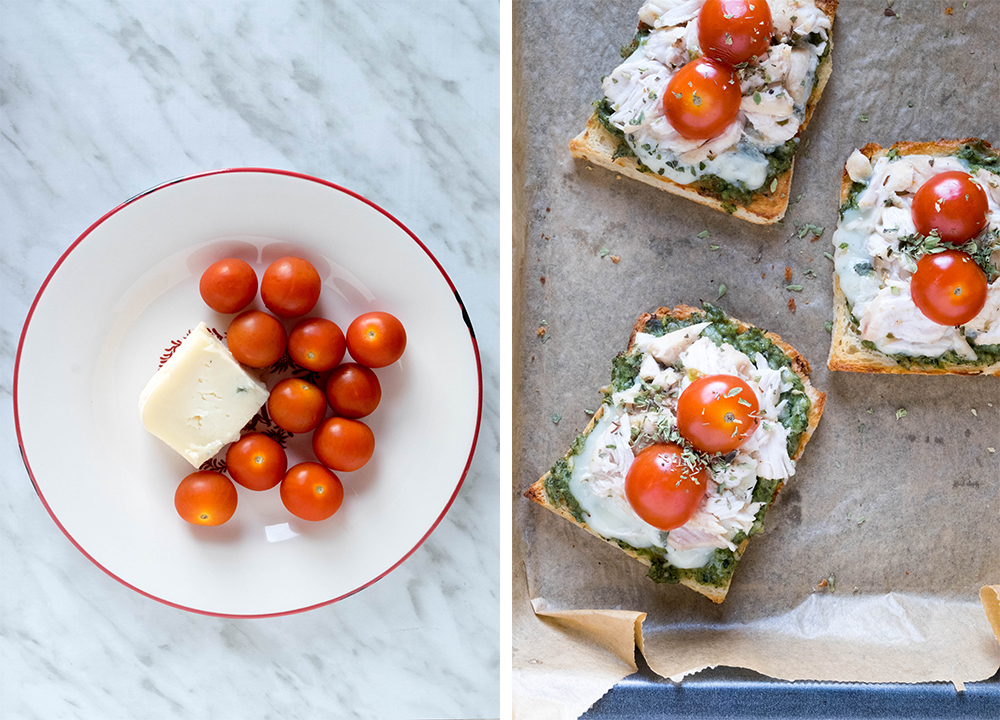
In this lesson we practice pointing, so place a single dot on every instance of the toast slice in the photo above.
(767, 206)
(540, 492)
(847, 353)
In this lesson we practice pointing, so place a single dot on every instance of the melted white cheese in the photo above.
(875, 277)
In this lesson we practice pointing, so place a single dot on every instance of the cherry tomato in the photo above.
(343, 444)
(951, 203)
(206, 498)
(317, 344)
(353, 390)
(662, 489)
(717, 413)
(311, 492)
(290, 287)
(228, 286)
(702, 99)
(256, 339)
(948, 287)
(256, 461)
(376, 339)
(735, 31)
(296, 405)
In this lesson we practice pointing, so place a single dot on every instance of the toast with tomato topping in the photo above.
(856, 335)
(584, 485)
(773, 114)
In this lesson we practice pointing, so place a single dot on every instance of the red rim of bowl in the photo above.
(301, 176)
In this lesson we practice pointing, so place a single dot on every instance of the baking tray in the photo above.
(735, 694)
(552, 95)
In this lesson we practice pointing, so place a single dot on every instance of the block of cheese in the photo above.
(201, 398)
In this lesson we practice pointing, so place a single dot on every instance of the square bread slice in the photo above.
(540, 492)
(595, 144)
(847, 351)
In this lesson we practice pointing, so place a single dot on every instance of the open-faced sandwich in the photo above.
(916, 287)
(711, 100)
(700, 427)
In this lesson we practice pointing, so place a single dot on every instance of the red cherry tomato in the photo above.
(290, 287)
(343, 444)
(256, 461)
(951, 203)
(702, 99)
(206, 498)
(228, 286)
(317, 344)
(662, 489)
(948, 287)
(296, 405)
(311, 492)
(376, 339)
(256, 339)
(735, 31)
(717, 413)
(353, 390)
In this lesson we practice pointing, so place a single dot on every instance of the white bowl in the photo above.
(128, 286)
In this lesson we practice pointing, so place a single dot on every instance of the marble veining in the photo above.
(101, 99)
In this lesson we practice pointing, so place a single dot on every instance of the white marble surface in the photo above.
(397, 100)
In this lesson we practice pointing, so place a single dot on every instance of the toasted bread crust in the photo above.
(537, 493)
(846, 352)
(595, 144)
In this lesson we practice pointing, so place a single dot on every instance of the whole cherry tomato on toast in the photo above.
(948, 287)
(953, 204)
(662, 489)
(735, 31)
(717, 413)
(702, 99)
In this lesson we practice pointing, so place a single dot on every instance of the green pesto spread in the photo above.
(624, 369)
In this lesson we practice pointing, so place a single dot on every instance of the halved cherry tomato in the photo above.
(317, 344)
(343, 444)
(353, 391)
(717, 413)
(290, 287)
(951, 203)
(376, 339)
(311, 492)
(256, 339)
(702, 99)
(948, 287)
(662, 489)
(206, 498)
(296, 405)
(256, 461)
(228, 286)
(735, 31)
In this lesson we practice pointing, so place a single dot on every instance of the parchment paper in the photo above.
(900, 510)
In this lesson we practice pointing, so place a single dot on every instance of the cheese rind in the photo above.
(201, 398)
